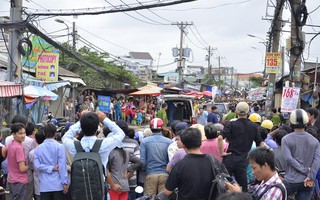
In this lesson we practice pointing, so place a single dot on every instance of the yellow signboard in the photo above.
(273, 63)
(47, 67)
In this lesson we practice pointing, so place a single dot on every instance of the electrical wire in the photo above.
(197, 37)
(156, 13)
(73, 12)
(200, 35)
(83, 29)
(156, 23)
(314, 10)
(116, 58)
(6, 45)
(207, 8)
(193, 42)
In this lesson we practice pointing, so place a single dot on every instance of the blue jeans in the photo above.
(303, 193)
(132, 193)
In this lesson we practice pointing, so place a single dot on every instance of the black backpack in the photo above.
(87, 173)
(220, 177)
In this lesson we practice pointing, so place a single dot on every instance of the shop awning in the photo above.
(9, 89)
(55, 85)
(35, 92)
(73, 79)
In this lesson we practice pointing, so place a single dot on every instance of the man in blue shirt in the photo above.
(212, 117)
(153, 152)
(50, 161)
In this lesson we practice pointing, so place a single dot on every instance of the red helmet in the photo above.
(156, 124)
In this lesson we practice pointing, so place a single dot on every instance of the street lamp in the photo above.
(262, 55)
(265, 43)
(62, 22)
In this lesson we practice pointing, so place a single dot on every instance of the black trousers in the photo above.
(52, 195)
(238, 168)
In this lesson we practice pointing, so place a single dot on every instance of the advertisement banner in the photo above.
(257, 94)
(39, 47)
(290, 99)
(104, 103)
(273, 63)
(47, 68)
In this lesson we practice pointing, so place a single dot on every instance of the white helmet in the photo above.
(299, 118)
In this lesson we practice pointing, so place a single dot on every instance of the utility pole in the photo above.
(296, 44)
(209, 61)
(181, 61)
(74, 34)
(275, 48)
(14, 56)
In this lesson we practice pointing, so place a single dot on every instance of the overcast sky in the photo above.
(222, 24)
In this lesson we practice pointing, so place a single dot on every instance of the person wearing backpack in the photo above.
(263, 165)
(90, 155)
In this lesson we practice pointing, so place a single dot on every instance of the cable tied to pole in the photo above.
(301, 15)
(25, 47)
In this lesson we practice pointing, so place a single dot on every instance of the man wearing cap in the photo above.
(240, 134)
(153, 151)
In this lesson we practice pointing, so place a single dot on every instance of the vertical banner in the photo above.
(290, 99)
(214, 92)
(47, 67)
(104, 103)
(273, 63)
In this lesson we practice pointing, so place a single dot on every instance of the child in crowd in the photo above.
(139, 117)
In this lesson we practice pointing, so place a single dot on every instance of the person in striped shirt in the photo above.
(270, 187)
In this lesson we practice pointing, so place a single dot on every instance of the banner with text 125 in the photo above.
(290, 99)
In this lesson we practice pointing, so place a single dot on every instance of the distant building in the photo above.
(242, 81)
(225, 75)
(140, 64)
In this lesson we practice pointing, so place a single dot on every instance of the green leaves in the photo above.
(115, 76)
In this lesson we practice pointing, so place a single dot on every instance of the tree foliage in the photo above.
(116, 75)
(256, 81)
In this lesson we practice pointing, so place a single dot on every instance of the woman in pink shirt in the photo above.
(210, 146)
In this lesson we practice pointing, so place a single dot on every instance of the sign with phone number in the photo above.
(273, 63)
(290, 99)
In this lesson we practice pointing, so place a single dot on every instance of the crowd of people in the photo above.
(101, 157)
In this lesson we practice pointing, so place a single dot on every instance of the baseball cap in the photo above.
(181, 126)
(242, 108)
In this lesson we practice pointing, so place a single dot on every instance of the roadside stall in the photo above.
(36, 101)
(8, 93)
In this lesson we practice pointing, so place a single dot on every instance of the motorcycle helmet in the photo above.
(267, 124)
(156, 124)
(255, 118)
(299, 118)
